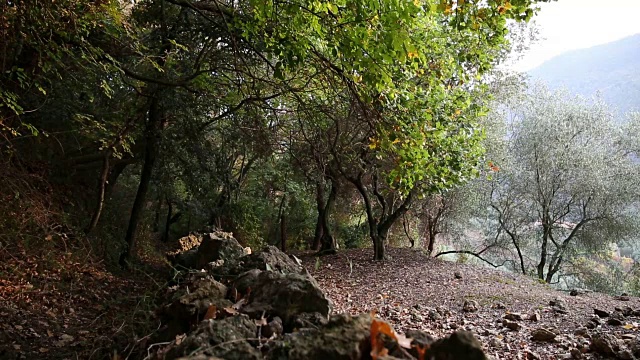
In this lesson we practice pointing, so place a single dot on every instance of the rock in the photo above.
(576, 353)
(574, 292)
(221, 338)
(513, 316)
(616, 319)
(604, 344)
(215, 246)
(190, 303)
(186, 259)
(623, 297)
(273, 328)
(625, 354)
(634, 346)
(499, 305)
(461, 345)
(470, 306)
(434, 315)
(285, 296)
(269, 259)
(543, 335)
(583, 332)
(343, 337)
(496, 343)
(559, 305)
(530, 355)
(535, 316)
(457, 275)
(418, 338)
(245, 281)
(601, 313)
(308, 320)
(512, 325)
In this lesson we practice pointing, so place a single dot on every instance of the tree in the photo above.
(565, 184)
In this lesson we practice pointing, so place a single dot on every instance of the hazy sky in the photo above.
(574, 24)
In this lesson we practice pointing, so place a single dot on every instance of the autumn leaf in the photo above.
(377, 345)
(211, 312)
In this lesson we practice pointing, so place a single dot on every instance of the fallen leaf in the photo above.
(211, 312)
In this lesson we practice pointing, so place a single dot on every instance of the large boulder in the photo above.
(228, 339)
(286, 296)
(215, 246)
(343, 338)
(269, 259)
(190, 303)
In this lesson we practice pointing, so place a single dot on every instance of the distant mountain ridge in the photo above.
(613, 69)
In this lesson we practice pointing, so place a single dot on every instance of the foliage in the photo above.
(564, 184)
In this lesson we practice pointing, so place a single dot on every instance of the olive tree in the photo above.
(565, 184)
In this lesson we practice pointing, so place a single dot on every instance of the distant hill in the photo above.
(613, 69)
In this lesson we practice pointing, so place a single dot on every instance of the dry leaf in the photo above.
(231, 311)
(179, 338)
(404, 341)
(211, 312)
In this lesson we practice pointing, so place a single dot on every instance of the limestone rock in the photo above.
(216, 246)
(285, 296)
(470, 306)
(544, 335)
(226, 339)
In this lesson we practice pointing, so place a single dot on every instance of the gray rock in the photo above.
(535, 316)
(559, 305)
(470, 306)
(344, 337)
(576, 353)
(512, 325)
(269, 259)
(543, 335)
(190, 303)
(286, 296)
(530, 355)
(457, 275)
(601, 313)
(461, 345)
(218, 246)
(226, 339)
(434, 315)
(245, 281)
(273, 328)
(616, 319)
(604, 344)
(513, 316)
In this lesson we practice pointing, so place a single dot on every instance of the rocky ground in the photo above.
(231, 304)
(513, 316)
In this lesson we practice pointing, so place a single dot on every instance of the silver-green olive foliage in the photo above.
(564, 180)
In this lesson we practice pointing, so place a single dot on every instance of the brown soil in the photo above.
(403, 289)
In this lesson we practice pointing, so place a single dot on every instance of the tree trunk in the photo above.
(283, 232)
(378, 247)
(156, 218)
(320, 205)
(167, 224)
(328, 242)
(543, 250)
(101, 194)
(153, 136)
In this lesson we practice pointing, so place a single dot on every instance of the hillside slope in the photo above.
(412, 291)
(611, 69)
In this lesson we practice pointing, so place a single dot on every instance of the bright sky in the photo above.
(575, 24)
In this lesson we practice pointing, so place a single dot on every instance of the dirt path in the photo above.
(412, 291)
